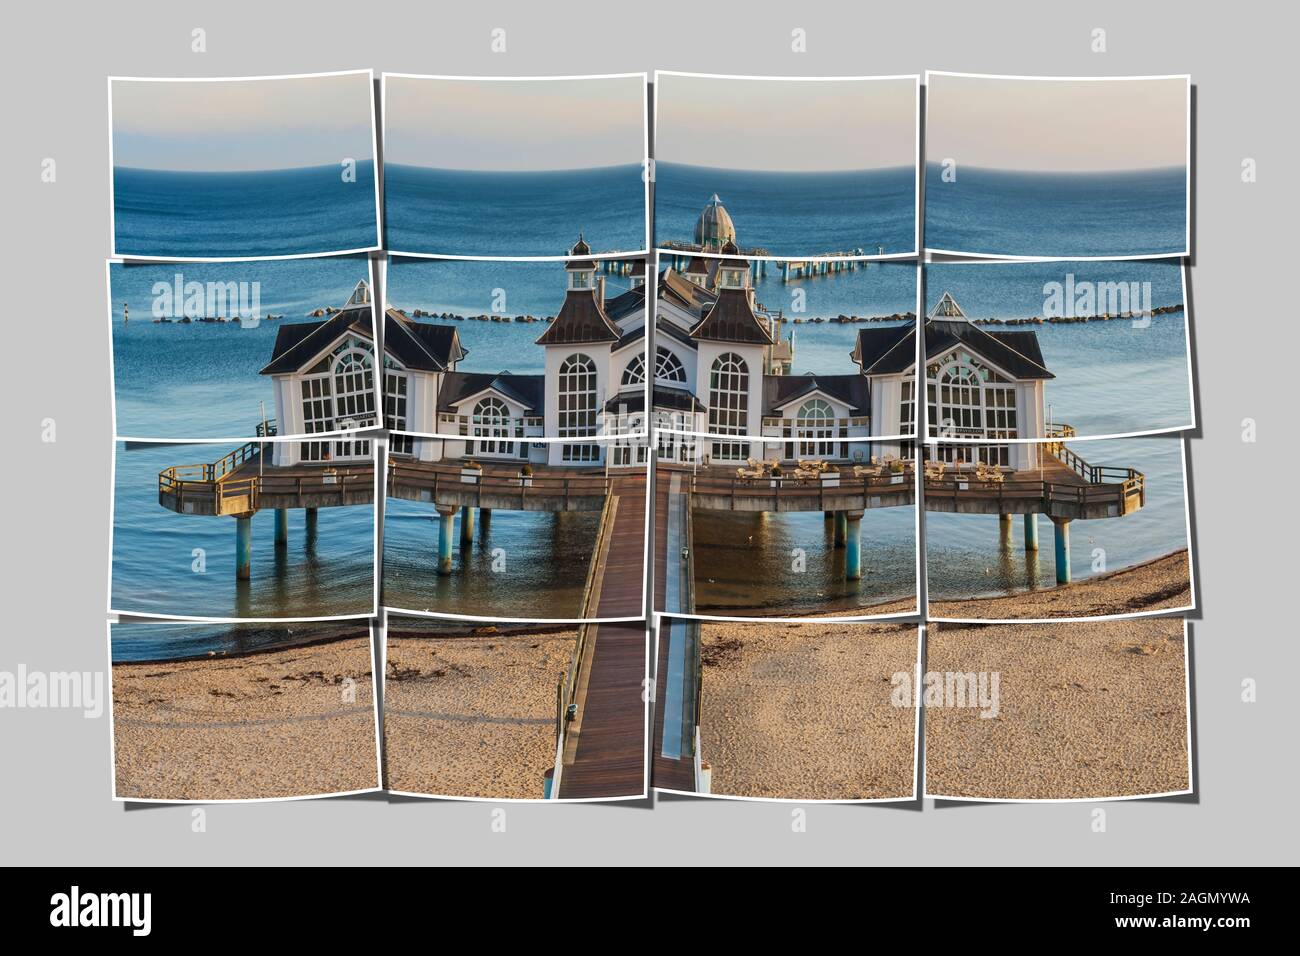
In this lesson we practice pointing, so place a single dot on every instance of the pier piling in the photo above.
(1031, 532)
(853, 545)
(243, 547)
(841, 528)
(1004, 530)
(281, 528)
(1062, 527)
(311, 524)
(466, 525)
(445, 521)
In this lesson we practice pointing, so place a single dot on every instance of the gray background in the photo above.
(55, 799)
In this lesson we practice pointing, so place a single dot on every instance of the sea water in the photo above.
(457, 212)
(793, 214)
(1020, 213)
(277, 212)
(198, 379)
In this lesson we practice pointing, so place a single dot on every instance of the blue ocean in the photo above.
(457, 212)
(163, 641)
(200, 379)
(793, 214)
(965, 559)
(245, 215)
(1019, 213)
(154, 562)
(733, 551)
(538, 569)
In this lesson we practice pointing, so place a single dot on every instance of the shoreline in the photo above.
(239, 655)
(1154, 584)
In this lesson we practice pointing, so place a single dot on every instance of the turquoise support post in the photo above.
(281, 528)
(841, 528)
(1031, 532)
(243, 547)
(853, 546)
(445, 516)
(1062, 550)
(467, 525)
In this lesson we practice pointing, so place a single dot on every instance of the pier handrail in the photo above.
(449, 476)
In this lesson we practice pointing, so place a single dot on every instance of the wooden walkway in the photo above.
(605, 743)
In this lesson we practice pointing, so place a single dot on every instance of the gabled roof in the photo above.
(947, 308)
(525, 390)
(629, 338)
(424, 346)
(886, 351)
(696, 267)
(581, 320)
(298, 343)
(732, 319)
(781, 390)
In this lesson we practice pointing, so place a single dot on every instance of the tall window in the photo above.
(967, 399)
(729, 404)
(339, 394)
(815, 429)
(489, 422)
(396, 388)
(577, 406)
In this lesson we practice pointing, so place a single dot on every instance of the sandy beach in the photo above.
(803, 711)
(1161, 584)
(286, 723)
(1084, 711)
(473, 716)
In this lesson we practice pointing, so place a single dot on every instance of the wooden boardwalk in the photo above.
(604, 754)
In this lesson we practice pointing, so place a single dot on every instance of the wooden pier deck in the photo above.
(501, 486)
(604, 745)
(243, 482)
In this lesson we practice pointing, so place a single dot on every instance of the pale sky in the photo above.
(514, 124)
(786, 125)
(1059, 125)
(240, 125)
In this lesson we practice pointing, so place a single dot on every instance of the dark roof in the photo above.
(674, 288)
(851, 389)
(697, 266)
(527, 390)
(729, 248)
(580, 320)
(630, 337)
(580, 248)
(882, 351)
(297, 343)
(673, 330)
(732, 319)
(677, 399)
(625, 303)
(1016, 353)
(427, 346)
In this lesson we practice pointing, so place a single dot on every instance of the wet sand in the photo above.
(473, 716)
(1161, 584)
(803, 711)
(1085, 711)
(286, 723)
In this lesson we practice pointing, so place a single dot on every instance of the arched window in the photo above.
(967, 399)
(489, 421)
(729, 404)
(576, 395)
(668, 367)
(634, 374)
(338, 394)
(815, 428)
